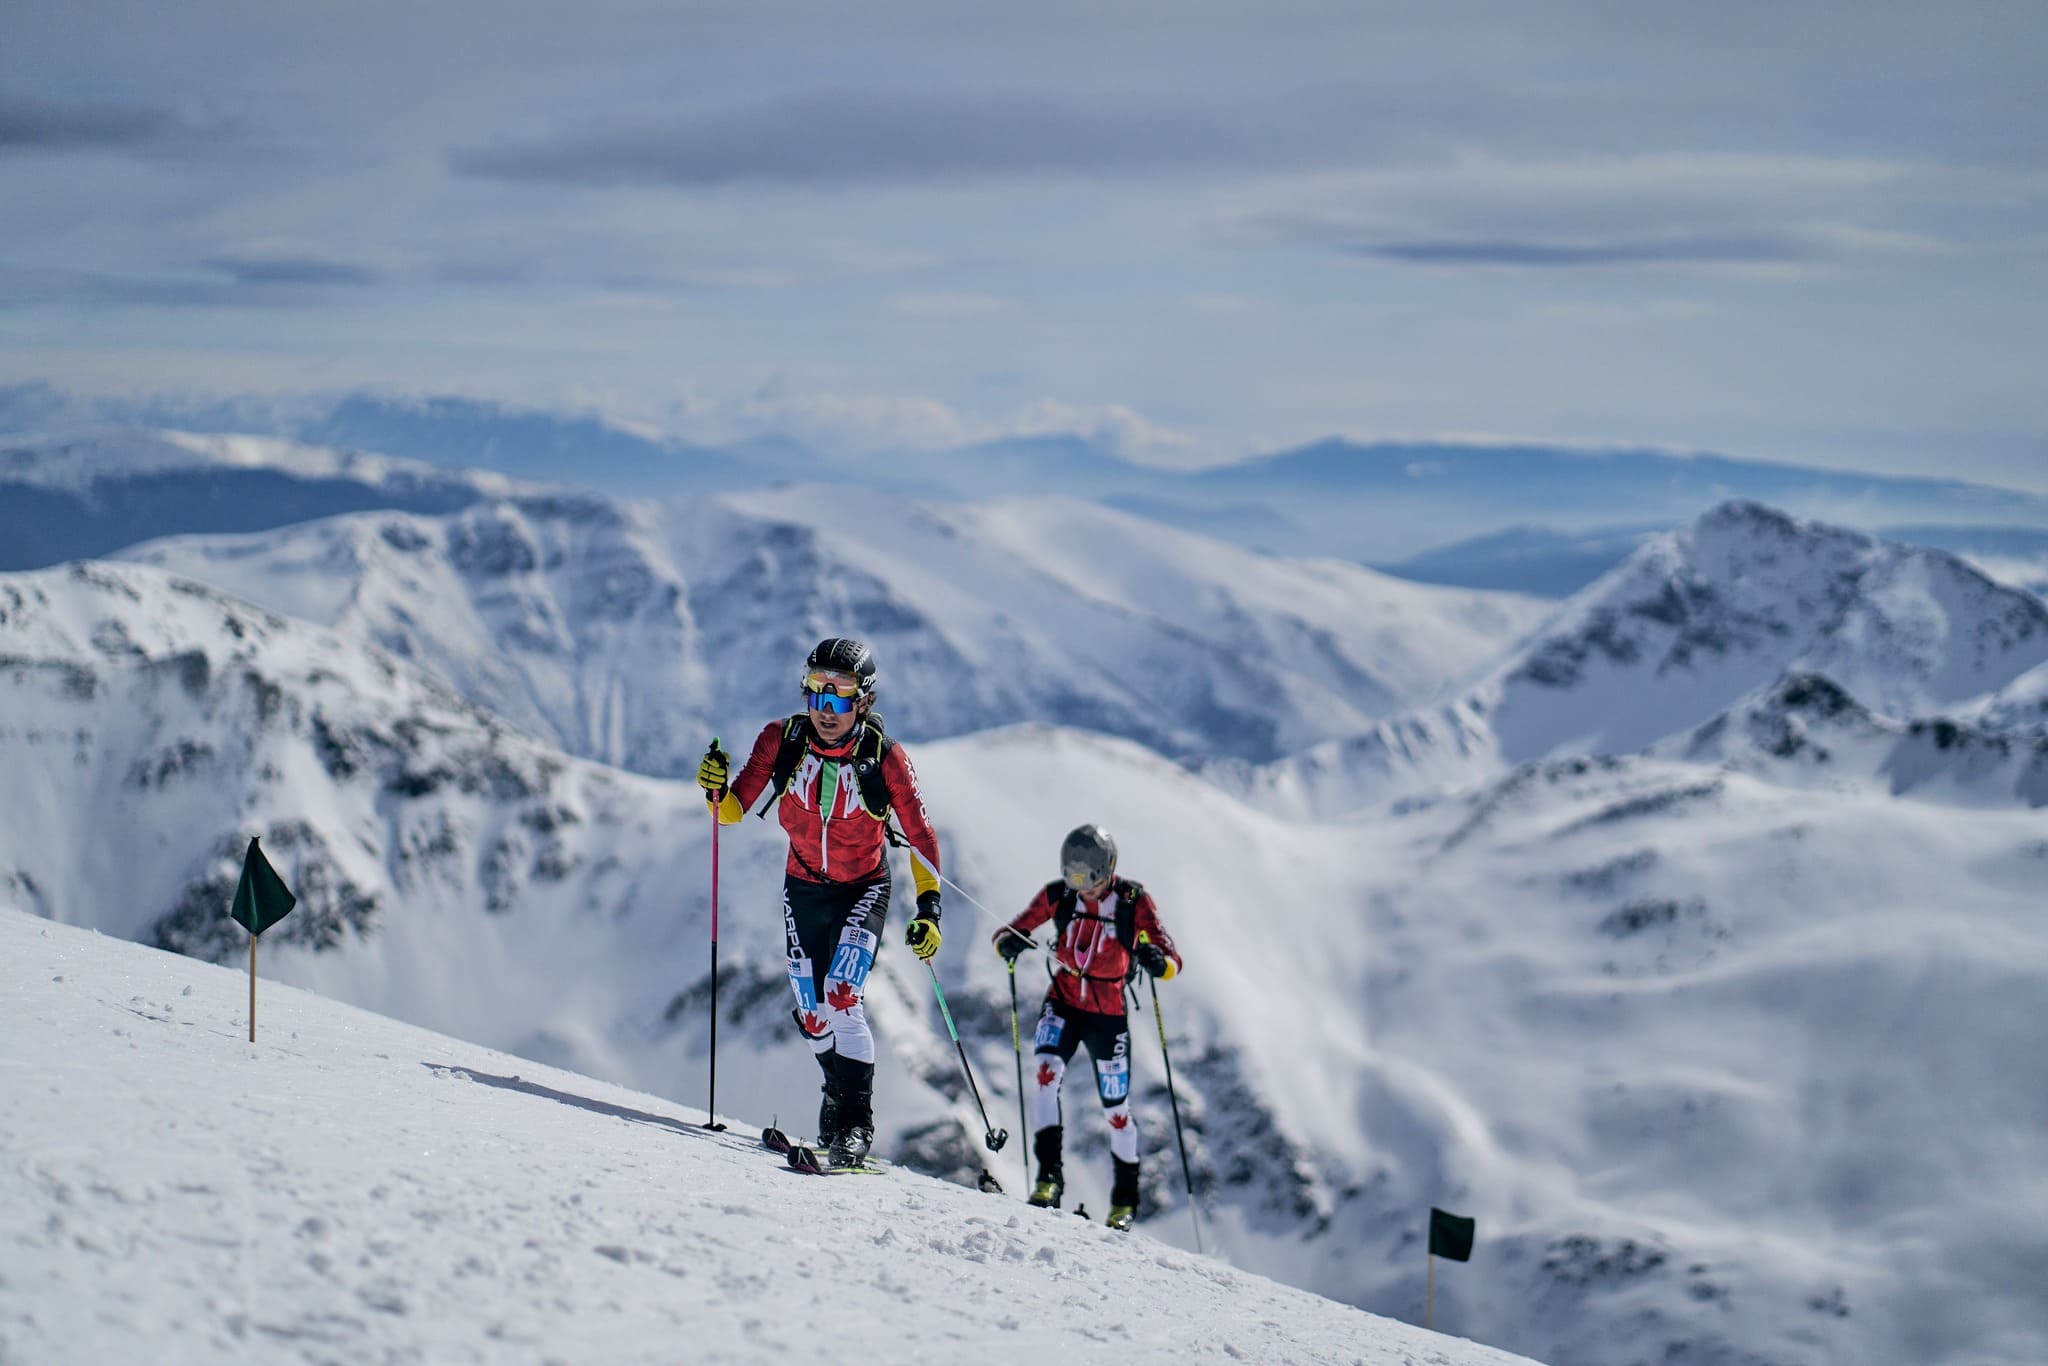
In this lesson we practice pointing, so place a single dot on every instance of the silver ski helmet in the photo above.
(1087, 857)
(841, 655)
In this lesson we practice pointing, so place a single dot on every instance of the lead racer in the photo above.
(836, 777)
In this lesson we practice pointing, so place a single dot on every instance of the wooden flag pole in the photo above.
(252, 988)
(1429, 1295)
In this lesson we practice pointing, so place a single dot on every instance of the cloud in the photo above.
(866, 137)
(34, 288)
(249, 283)
(830, 421)
(842, 422)
(1113, 425)
(50, 124)
(1668, 209)
(290, 270)
(1683, 250)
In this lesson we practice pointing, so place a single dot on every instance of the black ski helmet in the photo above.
(1087, 857)
(846, 656)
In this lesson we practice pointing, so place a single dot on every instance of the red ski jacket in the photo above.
(839, 840)
(1092, 964)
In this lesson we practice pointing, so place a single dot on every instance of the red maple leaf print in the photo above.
(1120, 1120)
(1046, 1076)
(842, 996)
(812, 1025)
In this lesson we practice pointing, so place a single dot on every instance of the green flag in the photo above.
(1450, 1236)
(261, 899)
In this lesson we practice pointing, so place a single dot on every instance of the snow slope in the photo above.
(348, 1188)
(1690, 1035)
(631, 633)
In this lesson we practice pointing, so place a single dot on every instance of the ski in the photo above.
(806, 1160)
(804, 1157)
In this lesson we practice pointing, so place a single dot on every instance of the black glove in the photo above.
(928, 905)
(1153, 959)
(1010, 943)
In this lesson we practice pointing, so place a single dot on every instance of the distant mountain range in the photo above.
(1556, 564)
(89, 495)
(1376, 502)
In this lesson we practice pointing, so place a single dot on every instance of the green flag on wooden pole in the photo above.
(1450, 1235)
(261, 900)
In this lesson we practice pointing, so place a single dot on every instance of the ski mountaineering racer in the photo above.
(1104, 928)
(836, 778)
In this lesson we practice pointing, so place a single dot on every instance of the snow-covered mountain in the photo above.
(1702, 616)
(2012, 555)
(1688, 1038)
(153, 724)
(87, 495)
(1686, 632)
(348, 1188)
(631, 633)
(1806, 728)
(2021, 705)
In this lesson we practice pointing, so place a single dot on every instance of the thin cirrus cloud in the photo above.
(22, 288)
(853, 137)
(222, 283)
(1705, 211)
(1756, 249)
(265, 271)
(46, 125)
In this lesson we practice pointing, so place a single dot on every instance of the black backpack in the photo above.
(1067, 905)
(869, 751)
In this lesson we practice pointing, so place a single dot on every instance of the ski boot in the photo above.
(1051, 1179)
(828, 1121)
(852, 1086)
(1120, 1217)
(850, 1146)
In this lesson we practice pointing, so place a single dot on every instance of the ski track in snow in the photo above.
(352, 1189)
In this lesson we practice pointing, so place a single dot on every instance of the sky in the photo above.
(1194, 231)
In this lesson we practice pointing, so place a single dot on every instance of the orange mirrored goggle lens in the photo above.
(836, 684)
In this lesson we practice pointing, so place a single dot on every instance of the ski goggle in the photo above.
(833, 682)
(828, 701)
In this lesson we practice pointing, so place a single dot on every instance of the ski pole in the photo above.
(995, 1138)
(711, 1101)
(1017, 1047)
(1187, 1173)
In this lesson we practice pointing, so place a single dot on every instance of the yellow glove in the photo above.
(713, 773)
(923, 934)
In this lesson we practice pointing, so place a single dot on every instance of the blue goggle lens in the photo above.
(828, 701)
